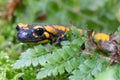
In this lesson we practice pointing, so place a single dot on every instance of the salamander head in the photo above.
(31, 33)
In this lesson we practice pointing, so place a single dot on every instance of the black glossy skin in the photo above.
(42, 34)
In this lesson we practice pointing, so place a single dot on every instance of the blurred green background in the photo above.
(99, 15)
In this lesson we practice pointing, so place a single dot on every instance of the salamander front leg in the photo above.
(63, 37)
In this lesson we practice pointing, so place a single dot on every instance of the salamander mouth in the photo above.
(26, 40)
(29, 38)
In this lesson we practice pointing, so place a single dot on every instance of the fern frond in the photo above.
(37, 55)
(107, 74)
(89, 68)
(53, 70)
(64, 59)
(117, 72)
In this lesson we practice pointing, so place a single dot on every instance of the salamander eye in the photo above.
(18, 27)
(39, 31)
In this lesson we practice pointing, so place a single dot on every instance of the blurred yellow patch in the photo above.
(102, 36)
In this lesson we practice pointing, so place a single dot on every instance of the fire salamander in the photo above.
(42, 33)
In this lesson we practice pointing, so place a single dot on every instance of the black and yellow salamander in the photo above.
(43, 33)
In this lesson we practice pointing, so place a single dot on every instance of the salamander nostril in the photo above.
(18, 28)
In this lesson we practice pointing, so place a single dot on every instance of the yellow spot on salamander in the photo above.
(67, 29)
(47, 34)
(35, 35)
(43, 41)
(62, 35)
(102, 36)
(62, 28)
(50, 29)
(40, 42)
(22, 25)
(38, 27)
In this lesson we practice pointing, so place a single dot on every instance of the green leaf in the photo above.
(106, 75)
(17, 76)
(21, 63)
(1, 38)
(61, 69)
(65, 43)
(55, 71)
(118, 31)
(68, 50)
(35, 61)
(116, 71)
(28, 54)
(46, 72)
(43, 59)
(70, 65)
(89, 69)
(75, 31)
(42, 74)
(92, 5)
(39, 49)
